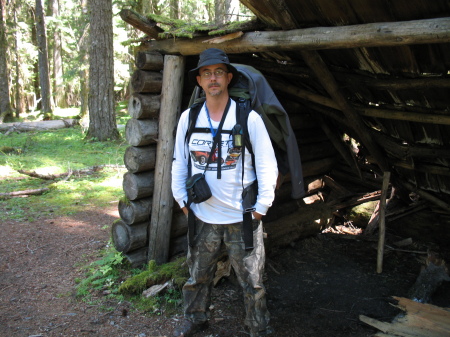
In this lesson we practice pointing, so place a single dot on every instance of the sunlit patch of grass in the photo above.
(63, 152)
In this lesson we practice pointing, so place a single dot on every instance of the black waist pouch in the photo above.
(249, 195)
(198, 188)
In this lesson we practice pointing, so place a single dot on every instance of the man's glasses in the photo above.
(217, 73)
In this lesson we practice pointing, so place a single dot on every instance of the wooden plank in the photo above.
(421, 320)
(161, 219)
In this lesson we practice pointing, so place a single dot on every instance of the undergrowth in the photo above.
(112, 278)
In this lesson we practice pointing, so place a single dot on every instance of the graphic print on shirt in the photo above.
(200, 158)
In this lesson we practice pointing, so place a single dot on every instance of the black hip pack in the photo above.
(198, 189)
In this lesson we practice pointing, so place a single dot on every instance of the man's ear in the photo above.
(198, 80)
(230, 76)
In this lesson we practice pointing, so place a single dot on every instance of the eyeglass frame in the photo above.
(210, 73)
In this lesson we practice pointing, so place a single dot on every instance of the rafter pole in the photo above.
(315, 62)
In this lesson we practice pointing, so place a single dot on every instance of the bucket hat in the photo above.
(213, 56)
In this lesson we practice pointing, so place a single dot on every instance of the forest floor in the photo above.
(317, 287)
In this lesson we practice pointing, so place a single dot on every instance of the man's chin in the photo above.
(215, 92)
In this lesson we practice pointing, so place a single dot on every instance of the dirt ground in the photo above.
(318, 287)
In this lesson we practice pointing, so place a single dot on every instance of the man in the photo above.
(220, 218)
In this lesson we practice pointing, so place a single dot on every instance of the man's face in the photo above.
(214, 79)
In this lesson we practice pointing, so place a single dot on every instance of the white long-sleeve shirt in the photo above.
(225, 205)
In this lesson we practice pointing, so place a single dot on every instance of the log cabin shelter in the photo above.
(366, 85)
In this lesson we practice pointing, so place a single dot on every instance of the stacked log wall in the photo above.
(130, 232)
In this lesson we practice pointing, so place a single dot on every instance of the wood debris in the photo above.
(420, 320)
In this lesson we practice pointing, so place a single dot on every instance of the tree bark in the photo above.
(44, 75)
(83, 72)
(159, 235)
(40, 126)
(429, 279)
(140, 159)
(149, 61)
(57, 74)
(146, 81)
(5, 103)
(24, 193)
(132, 212)
(102, 116)
(142, 106)
(128, 238)
(18, 87)
(138, 186)
(141, 132)
(384, 34)
(137, 257)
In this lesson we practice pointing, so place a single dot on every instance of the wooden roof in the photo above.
(376, 70)
(401, 93)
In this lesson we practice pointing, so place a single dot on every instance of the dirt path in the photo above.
(317, 288)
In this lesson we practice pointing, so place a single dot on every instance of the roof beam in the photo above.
(315, 62)
(384, 34)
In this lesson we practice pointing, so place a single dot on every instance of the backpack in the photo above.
(253, 92)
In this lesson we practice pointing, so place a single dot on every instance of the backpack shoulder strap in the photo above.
(193, 115)
(242, 111)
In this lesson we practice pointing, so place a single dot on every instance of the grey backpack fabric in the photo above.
(253, 86)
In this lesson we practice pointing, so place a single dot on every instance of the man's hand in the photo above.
(257, 215)
(185, 211)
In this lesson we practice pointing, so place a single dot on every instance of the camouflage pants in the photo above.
(248, 265)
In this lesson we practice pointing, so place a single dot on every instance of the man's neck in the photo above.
(216, 107)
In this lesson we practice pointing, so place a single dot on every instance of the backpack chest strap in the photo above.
(208, 130)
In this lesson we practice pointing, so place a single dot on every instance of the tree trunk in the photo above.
(128, 238)
(220, 11)
(57, 75)
(102, 116)
(138, 186)
(140, 159)
(44, 75)
(83, 73)
(19, 93)
(174, 9)
(5, 103)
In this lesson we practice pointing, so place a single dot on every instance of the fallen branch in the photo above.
(66, 175)
(24, 193)
(39, 125)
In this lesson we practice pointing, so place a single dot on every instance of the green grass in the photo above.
(58, 152)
